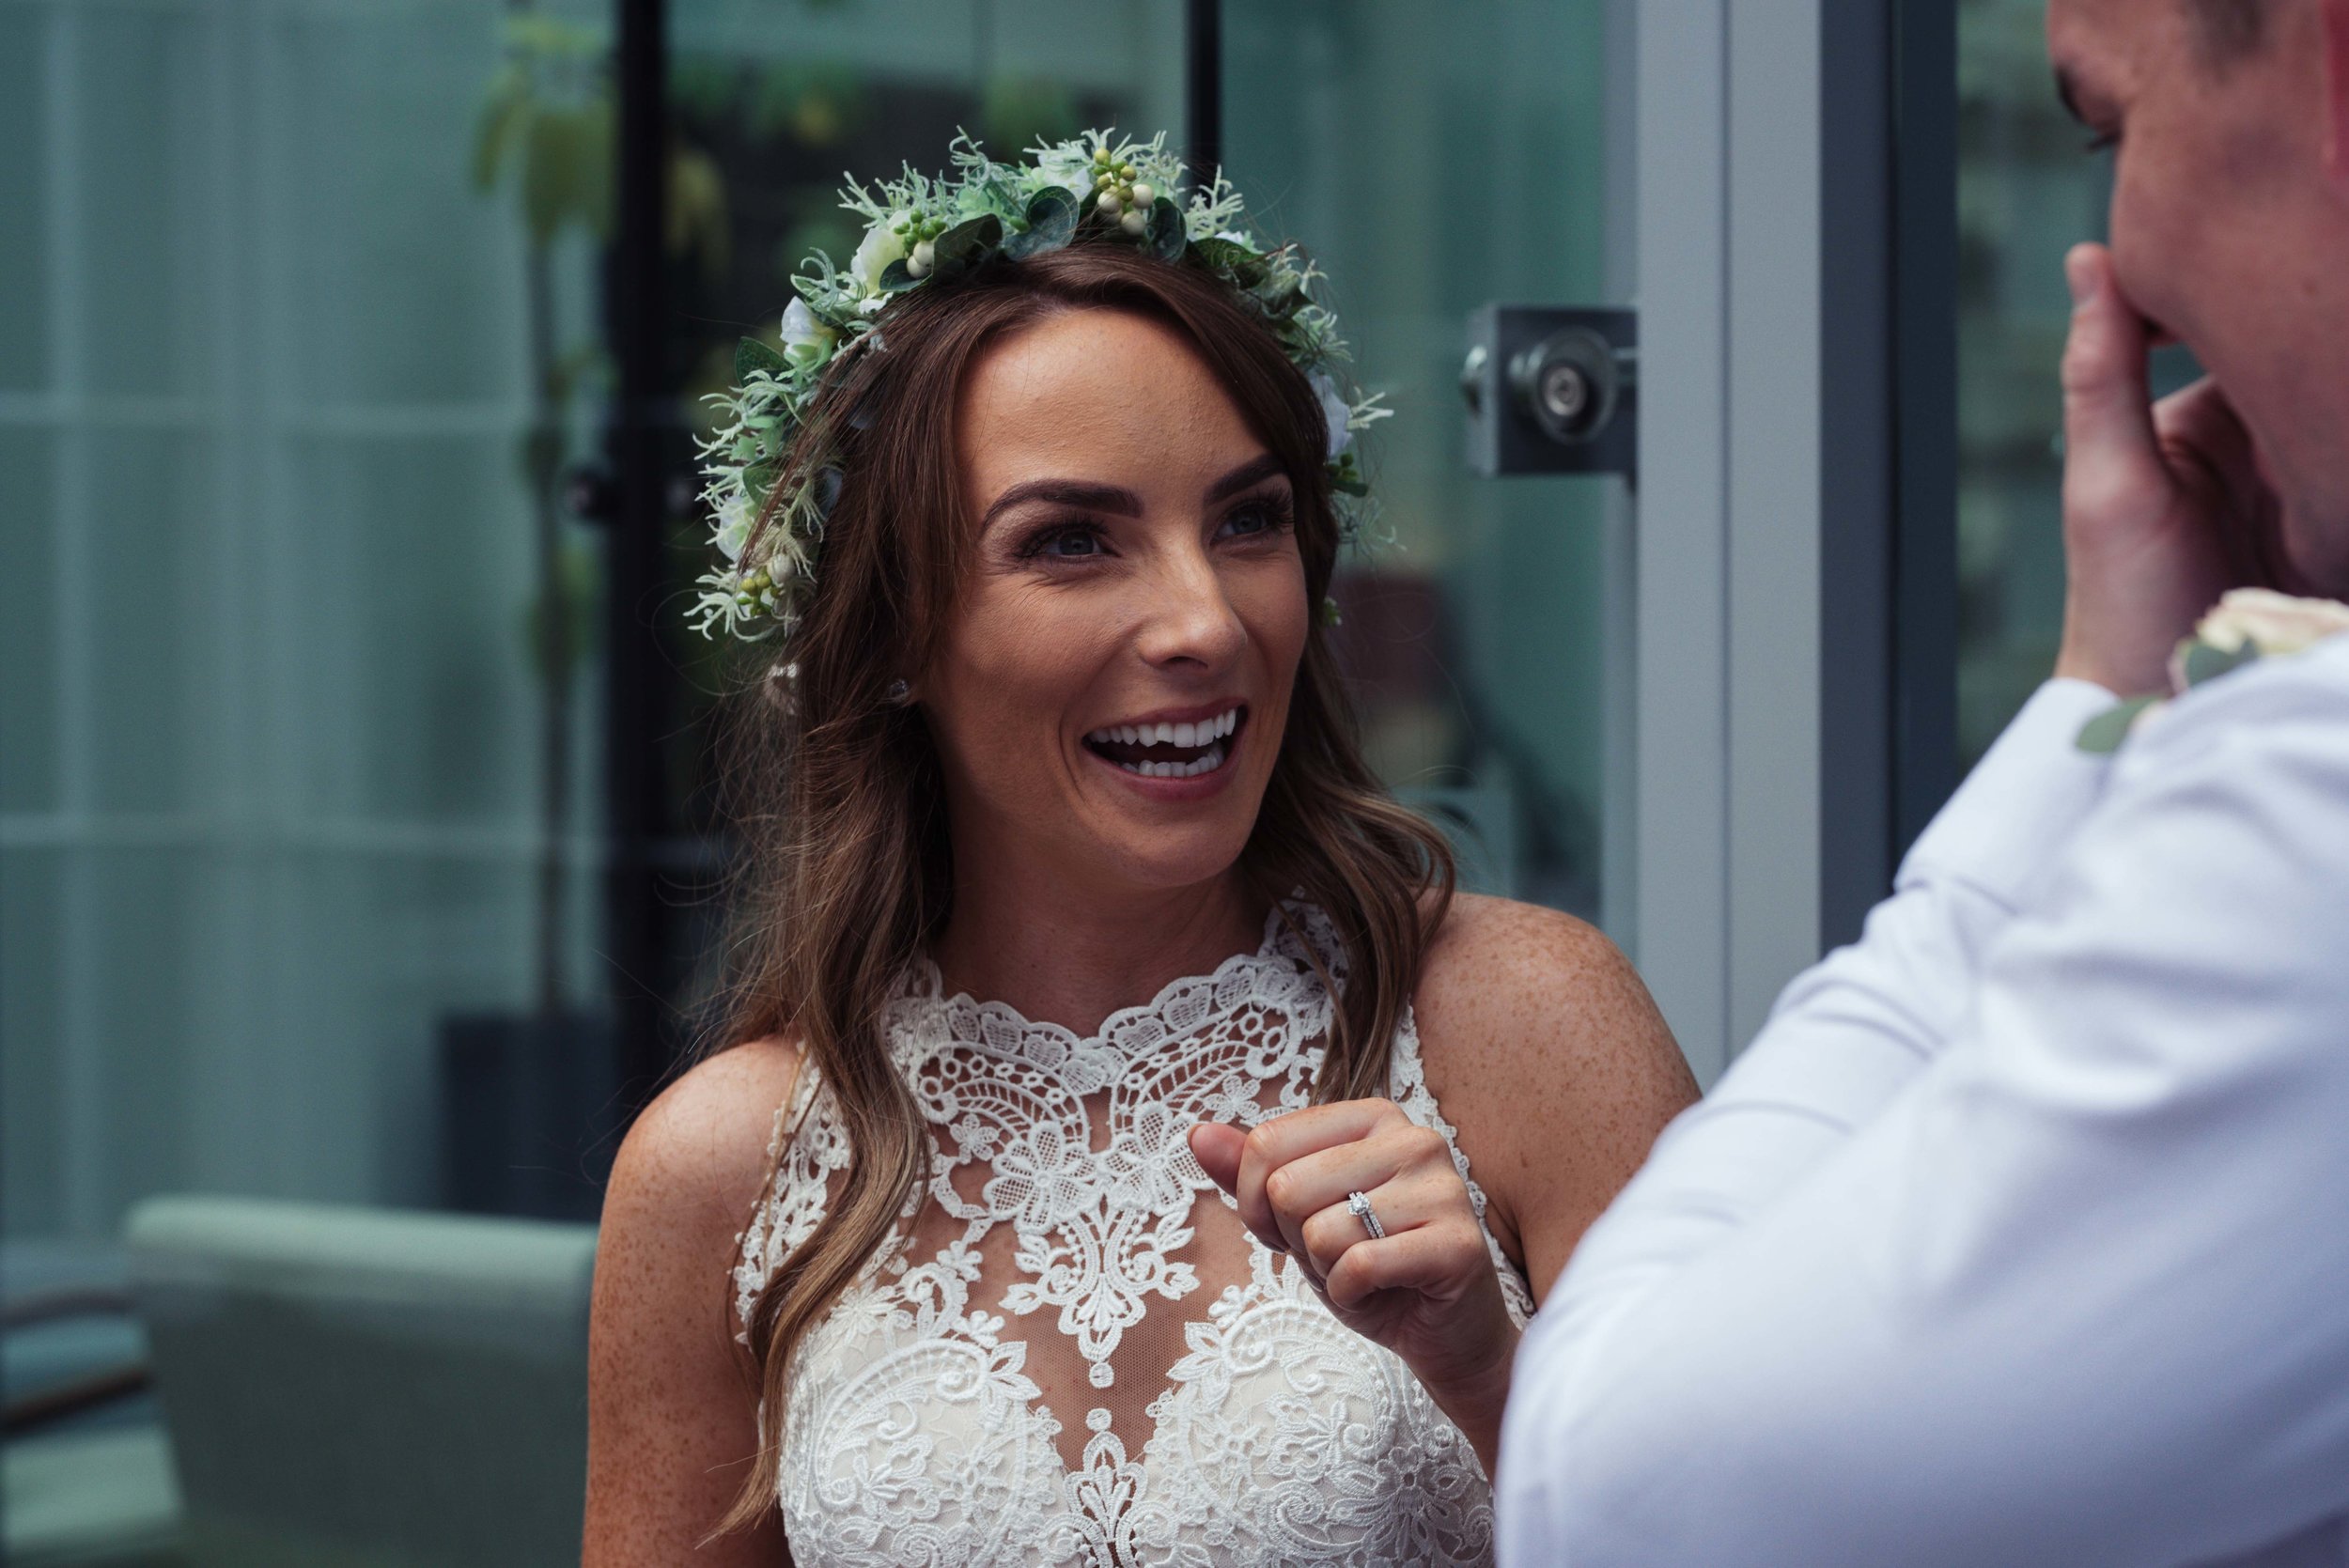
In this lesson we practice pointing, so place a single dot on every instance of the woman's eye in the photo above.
(1251, 520)
(1068, 544)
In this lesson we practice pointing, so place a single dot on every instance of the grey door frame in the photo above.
(1795, 567)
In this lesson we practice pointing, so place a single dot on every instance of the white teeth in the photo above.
(1207, 762)
(1204, 733)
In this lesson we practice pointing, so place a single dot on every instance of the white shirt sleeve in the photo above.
(2021, 1235)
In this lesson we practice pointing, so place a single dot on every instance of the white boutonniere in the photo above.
(2249, 624)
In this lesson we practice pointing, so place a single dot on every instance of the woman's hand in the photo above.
(1427, 1289)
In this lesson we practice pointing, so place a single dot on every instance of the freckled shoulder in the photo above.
(700, 1152)
(672, 1403)
(1547, 1053)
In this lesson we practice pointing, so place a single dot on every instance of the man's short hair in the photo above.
(2229, 29)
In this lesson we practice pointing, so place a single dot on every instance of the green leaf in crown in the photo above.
(922, 231)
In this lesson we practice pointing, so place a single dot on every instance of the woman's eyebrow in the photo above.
(1246, 474)
(1069, 493)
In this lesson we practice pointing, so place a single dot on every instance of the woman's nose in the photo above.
(1190, 617)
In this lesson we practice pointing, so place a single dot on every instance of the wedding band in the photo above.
(1358, 1204)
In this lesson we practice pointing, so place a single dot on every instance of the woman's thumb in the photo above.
(1217, 1148)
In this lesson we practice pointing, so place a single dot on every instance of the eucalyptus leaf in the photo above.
(759, 478)
(2204, 663)
(2102, 735)
(750, 354)
(1279, 298)
(998, 196)
(894, 279)
(967, 243)
(1051, 224)
(1164, 238)
(1235, 261)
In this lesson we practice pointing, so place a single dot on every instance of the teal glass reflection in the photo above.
(1435, 159)
(292, 776)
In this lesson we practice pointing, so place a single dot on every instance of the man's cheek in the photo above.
(2150, 251)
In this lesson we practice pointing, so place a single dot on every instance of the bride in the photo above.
(1072, 904)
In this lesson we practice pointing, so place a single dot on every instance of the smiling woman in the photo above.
(1063, 852)
(1104, 625)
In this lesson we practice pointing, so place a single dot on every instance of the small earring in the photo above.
(901, 692)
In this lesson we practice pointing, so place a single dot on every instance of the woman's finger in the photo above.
(1408, 1203)
(1306, 1186)
(1433, 1257)
(1274, 1143)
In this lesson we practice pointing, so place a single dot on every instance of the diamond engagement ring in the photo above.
(1358, 1204)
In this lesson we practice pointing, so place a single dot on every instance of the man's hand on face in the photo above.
(2163, 505)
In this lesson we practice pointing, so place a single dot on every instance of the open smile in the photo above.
(1163, 750)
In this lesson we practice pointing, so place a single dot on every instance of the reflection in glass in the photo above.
(1434, 159)
(299, 329)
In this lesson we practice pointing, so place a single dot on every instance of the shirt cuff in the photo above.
(2009, 821)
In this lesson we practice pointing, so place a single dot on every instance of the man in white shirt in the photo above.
(2021, 1235)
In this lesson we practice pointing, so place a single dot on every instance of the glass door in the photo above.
(1435, 159)
(300, 785)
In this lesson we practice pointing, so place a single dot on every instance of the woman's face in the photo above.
(1112, 686)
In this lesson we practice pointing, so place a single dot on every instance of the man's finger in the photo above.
(2200, 431)
(2107, 412)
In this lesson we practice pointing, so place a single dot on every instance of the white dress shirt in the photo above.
(2021, 1233)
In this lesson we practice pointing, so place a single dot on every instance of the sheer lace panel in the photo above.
(1071, 1351)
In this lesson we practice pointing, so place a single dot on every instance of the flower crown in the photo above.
(922, 232)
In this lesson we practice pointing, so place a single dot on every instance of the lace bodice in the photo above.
(1071, 1352)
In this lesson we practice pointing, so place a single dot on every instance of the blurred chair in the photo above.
(86, 1475)
(351, 1388)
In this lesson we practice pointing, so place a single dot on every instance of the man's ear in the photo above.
(2332, 21)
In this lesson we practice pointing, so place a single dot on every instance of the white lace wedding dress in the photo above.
(1072, 1351)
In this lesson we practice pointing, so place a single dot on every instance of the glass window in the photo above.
(1432, 160)
(302, 836)
(292, 374)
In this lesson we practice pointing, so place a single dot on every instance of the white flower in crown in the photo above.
(2245, 625)
(1336, 413)
(734, 526)
(882, 245)
(805, 338)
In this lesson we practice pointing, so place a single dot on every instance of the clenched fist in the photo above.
(1425, 1289)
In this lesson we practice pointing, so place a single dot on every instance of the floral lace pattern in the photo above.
(1064, 1203)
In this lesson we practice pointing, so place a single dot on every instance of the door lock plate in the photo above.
(1551, 390)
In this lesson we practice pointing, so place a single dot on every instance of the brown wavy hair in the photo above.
(847, 875)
